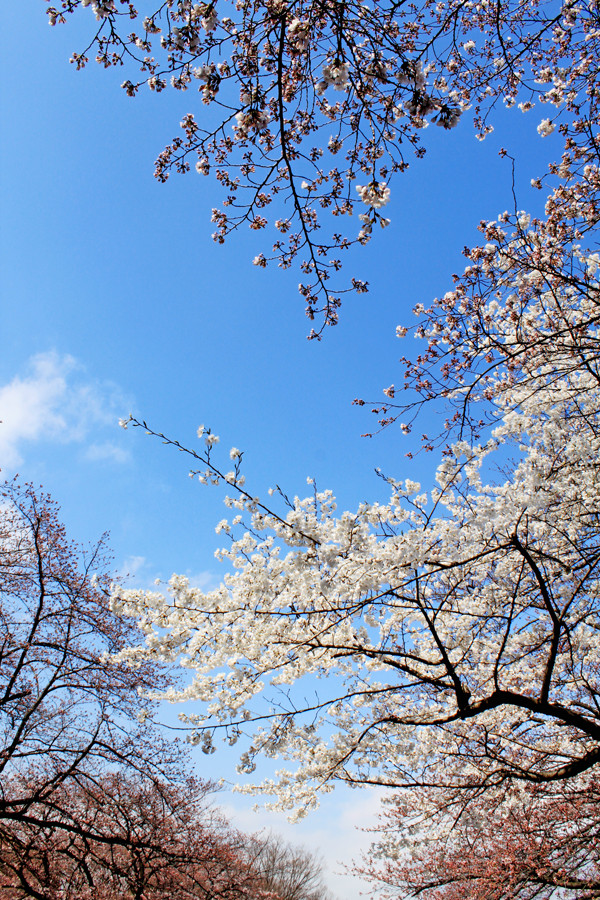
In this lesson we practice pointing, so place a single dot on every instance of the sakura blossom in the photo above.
(375, 195)
(335, 76)
(546, 127)
(452, 630)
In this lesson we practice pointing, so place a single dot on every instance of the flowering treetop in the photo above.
(452, 633)
(526, 842)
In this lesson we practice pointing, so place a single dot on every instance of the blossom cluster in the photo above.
(453, 631)
(374, 194)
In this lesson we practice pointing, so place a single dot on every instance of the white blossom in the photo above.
(374, 194)
(546, 127)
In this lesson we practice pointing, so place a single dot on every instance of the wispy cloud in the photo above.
(108, 451)
(139, 572)
(55, 401)
(134, 567)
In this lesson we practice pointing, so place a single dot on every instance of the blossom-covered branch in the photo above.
(307, 109)
(456, 628)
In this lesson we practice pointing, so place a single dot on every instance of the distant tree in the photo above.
(307, 110)
(289, 872)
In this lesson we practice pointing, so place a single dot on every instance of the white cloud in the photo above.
(132, 566)
(55, 402)
(204, 581)
(107, 452)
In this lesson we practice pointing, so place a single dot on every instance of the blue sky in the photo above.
(115, 299)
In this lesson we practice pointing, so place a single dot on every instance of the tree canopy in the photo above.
(444, 644)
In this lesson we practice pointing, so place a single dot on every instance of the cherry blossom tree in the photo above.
(530, 842)
(134, 840)
(92, 793)
(308, 110)
(66, 710)
(446, 642)
(95, 803)
(454, 631)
